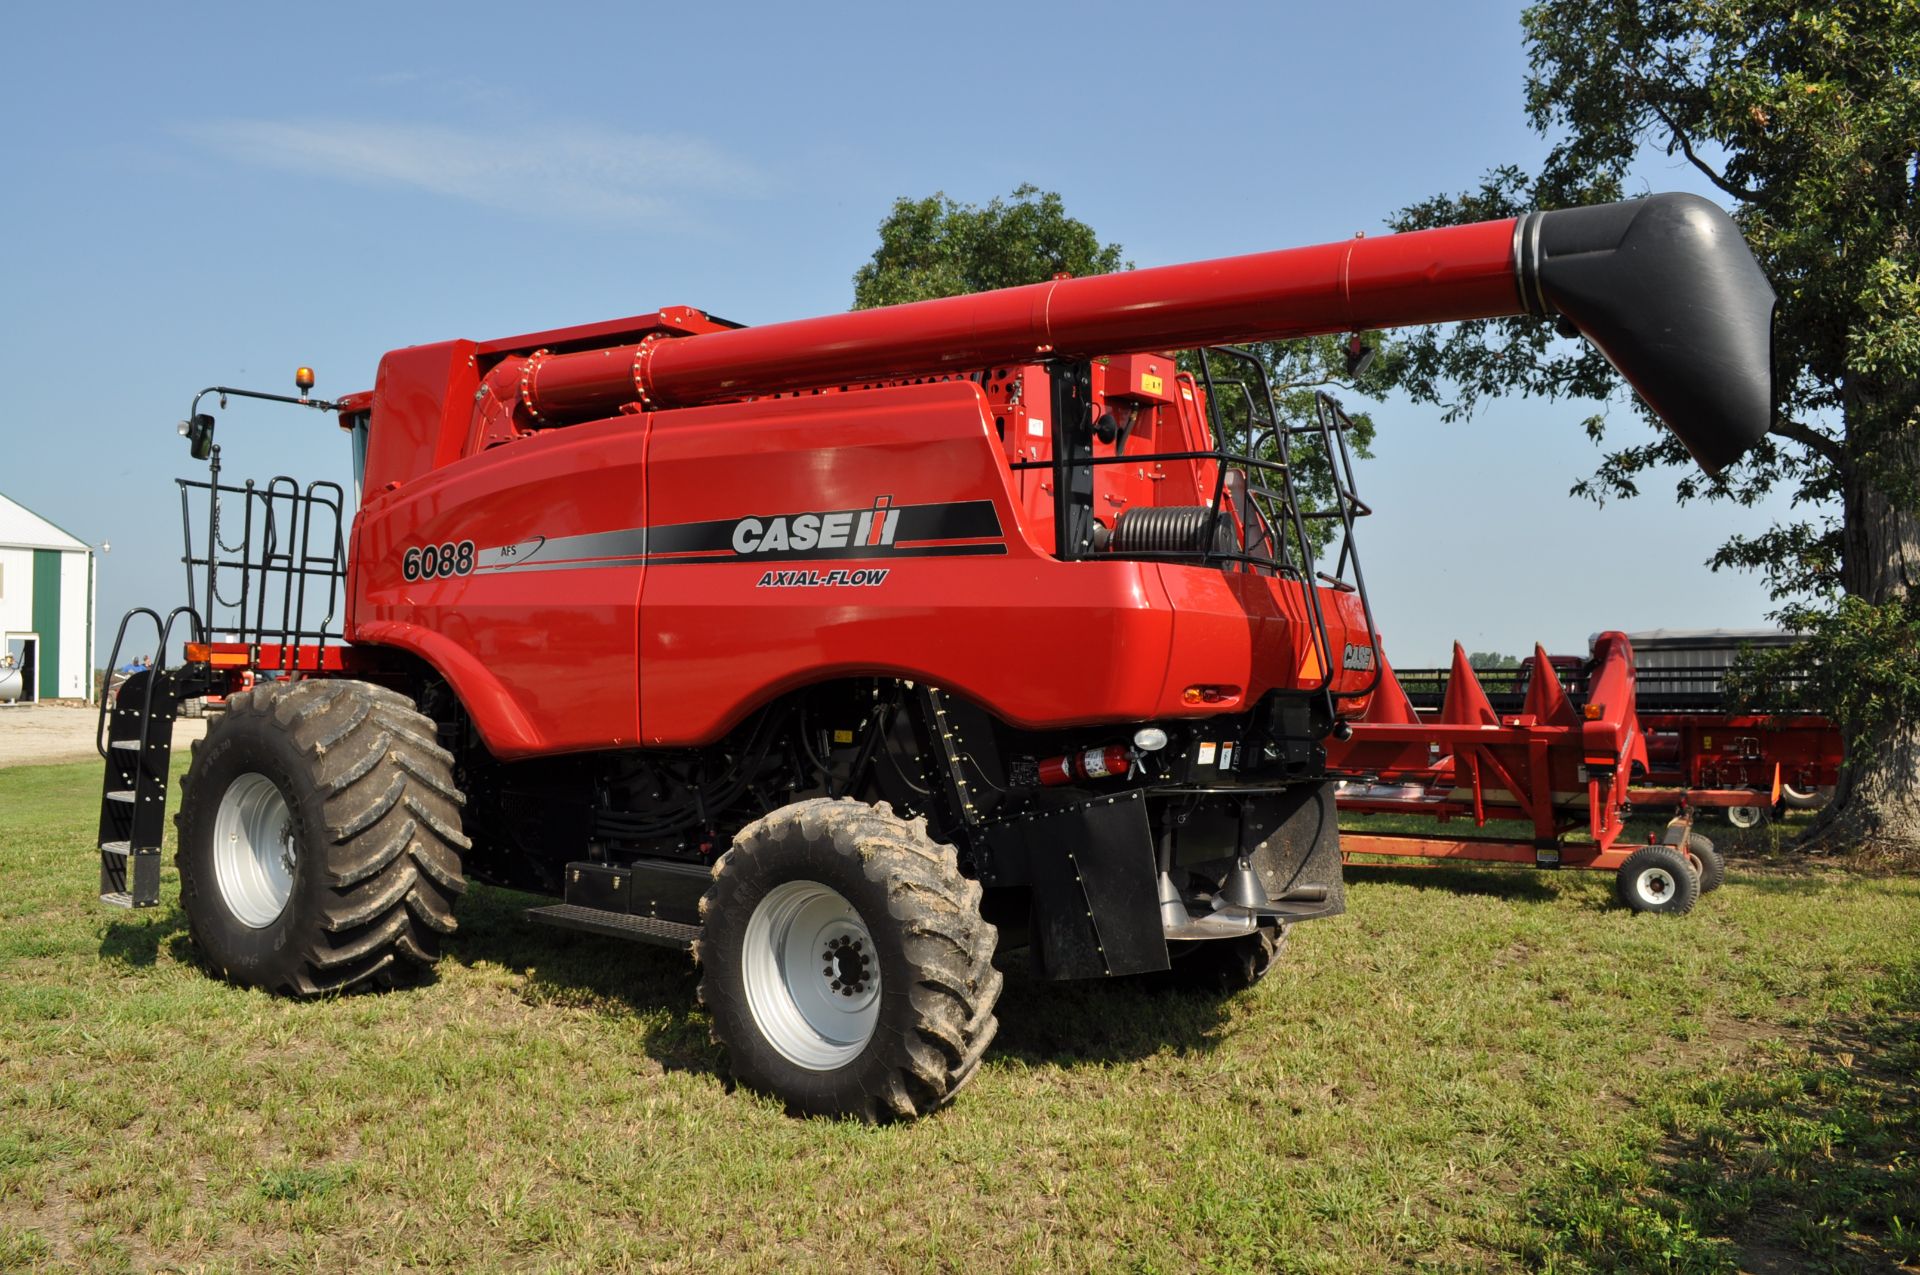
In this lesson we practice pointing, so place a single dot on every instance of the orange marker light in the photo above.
(303, 377)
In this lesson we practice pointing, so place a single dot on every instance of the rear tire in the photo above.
(1224, 966)
(890, 1016)
(1657, 879)
(319, 839)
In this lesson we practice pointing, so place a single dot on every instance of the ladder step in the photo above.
(123, 794)
(118, 900)
(130, 745)
(645, 929)
(120, 848)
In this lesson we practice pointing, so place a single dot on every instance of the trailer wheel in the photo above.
(1708, 863)
(846, 964)
(319, 839)
(1657, 879)
(1747, 817)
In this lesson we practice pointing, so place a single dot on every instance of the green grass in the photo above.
(1491, 1070)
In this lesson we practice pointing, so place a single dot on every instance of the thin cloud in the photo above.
(570, 173)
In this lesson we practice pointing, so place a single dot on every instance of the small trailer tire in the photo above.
(1657, 879)
(319, 839)
(1748, 817)
(846, 964)
(1708, 863)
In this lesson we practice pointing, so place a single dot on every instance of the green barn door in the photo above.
(46, 618)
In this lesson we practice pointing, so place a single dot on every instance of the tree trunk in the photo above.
(1877, 806)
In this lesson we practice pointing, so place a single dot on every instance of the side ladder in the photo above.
(138, 749)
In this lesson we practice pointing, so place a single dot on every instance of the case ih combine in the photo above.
(838, 651)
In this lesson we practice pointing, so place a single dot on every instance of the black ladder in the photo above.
(138, 747)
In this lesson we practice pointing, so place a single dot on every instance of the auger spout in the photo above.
(1665, 287)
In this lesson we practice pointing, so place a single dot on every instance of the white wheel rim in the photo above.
(253, 850)
(812, 977)
(1743, 816)
(1655, 886)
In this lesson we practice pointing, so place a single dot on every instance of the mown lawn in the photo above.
(1492, 1070)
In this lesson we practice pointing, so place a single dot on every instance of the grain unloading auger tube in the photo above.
(1664, 286)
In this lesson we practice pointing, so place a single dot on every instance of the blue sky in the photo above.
(216, 194)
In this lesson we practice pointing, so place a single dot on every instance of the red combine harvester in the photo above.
(1574, 746)
(839, 650)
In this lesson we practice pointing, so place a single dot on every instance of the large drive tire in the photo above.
(846, 964)
(1657, 879)
(1225, 966)
(319, 839)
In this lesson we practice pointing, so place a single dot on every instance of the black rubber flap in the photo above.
(1668, 290)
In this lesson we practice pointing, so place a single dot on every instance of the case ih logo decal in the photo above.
(963, 528)
(838, 529)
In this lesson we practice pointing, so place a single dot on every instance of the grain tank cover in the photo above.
(1668, 291)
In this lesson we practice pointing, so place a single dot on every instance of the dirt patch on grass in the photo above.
(42, 734)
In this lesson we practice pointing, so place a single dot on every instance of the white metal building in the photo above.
(46, 607)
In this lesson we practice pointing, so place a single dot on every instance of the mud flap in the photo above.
(1096, 911)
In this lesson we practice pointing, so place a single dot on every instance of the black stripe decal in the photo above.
(810, 555)
(686, 543)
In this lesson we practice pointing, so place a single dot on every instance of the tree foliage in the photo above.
(1806, 119)
(936, 247)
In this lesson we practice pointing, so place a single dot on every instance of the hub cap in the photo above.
(253, 850)
(812, 977)
(1743, 816)
(1654, 886)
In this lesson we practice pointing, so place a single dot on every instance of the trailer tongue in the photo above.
(839, 650)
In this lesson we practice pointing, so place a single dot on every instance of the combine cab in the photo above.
(842, 652)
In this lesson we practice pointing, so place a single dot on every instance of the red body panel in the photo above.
(544, 661)
(567, 653)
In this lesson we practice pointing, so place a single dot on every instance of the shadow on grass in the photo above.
(1493, 880)
(1039, 1021)
(1801, 1160)
(136, 941)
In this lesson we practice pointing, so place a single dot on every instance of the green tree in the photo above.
(1806, 119)
(937, 247)
(1492, 660)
